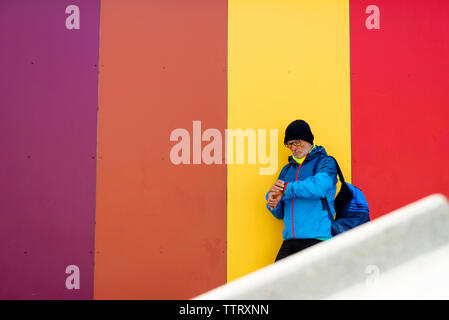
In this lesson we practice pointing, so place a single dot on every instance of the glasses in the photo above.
(295, 143)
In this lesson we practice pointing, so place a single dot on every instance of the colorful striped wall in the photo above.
(120, 178)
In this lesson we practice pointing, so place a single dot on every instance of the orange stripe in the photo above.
(160, 227)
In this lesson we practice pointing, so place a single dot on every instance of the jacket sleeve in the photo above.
(314, 187)
(277, 212)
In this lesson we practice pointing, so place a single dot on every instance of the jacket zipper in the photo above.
(293, 199)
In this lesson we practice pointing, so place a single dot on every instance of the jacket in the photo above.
(301, 207)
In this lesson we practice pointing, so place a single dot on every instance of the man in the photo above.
(298, 195)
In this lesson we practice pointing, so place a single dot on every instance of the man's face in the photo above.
(297, 147)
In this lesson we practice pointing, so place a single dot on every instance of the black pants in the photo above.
(294, 245)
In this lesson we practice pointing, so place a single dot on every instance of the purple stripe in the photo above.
(48, 128)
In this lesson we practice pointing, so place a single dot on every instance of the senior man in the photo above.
(298, 196)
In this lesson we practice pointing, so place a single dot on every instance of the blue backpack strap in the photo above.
(325, 205)
(339, 172)
(324, 201)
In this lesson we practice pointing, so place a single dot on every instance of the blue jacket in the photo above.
(301, 206)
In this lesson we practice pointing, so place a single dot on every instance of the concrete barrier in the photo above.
(402, 255)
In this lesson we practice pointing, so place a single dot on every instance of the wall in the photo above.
(284, 64)
(162, 65)
(399, 102)
(94, 119)
(48, 129)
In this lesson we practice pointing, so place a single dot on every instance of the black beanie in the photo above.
(298, 130)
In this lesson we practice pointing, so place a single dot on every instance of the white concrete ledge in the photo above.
(380, 259)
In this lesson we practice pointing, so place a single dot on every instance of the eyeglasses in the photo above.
(295, 143)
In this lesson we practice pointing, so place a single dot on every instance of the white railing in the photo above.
(402, 255)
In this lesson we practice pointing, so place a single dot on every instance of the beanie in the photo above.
(298, 130)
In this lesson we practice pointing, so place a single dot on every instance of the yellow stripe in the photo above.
(287, 60)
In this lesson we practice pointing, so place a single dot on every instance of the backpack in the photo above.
(350, 205)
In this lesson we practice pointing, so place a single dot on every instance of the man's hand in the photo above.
(275, 194)
(278, 186)
(273, 199)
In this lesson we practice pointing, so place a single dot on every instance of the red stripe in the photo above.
(410, 86)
